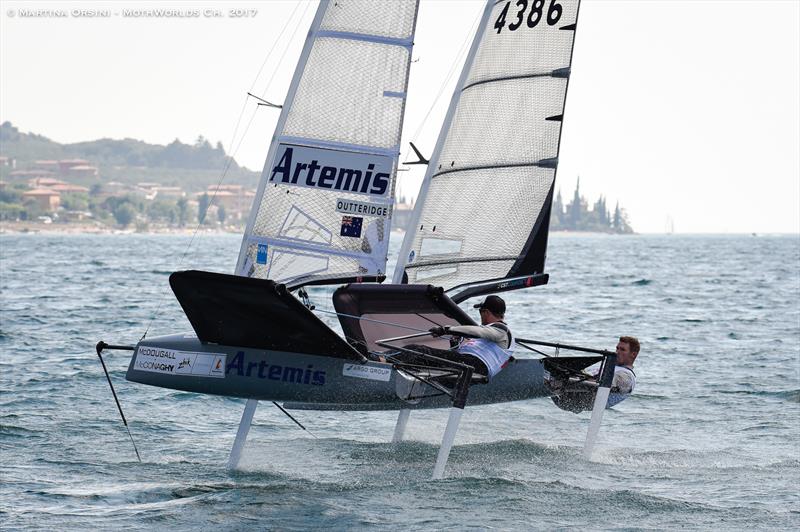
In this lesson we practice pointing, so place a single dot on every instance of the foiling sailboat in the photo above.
(322, 216)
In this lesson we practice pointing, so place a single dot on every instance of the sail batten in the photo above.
(497, 154)
(544, 163)
(324, 205)
(395, 150)
(406, 43)
(558, 73)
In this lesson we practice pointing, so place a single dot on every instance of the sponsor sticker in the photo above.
(261, 254)
(361, 208)
(173, 362)
(351, 226)
(333, 170)
(367, 372)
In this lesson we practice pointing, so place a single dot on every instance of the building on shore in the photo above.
(48, 200)
(235, 199)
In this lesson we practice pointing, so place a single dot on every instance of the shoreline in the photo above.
(39, 228)
(32, 228)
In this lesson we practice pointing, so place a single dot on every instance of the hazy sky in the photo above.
(687, 110)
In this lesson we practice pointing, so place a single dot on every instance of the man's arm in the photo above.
(493, 334)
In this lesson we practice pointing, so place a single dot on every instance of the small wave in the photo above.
(182, 396)
(764, 425)
(792, 396)
(13, 431)
(642, 282)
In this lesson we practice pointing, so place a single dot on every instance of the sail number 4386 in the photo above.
(534, 15)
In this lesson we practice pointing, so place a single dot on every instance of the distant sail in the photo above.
(324, 204)
(484, 206)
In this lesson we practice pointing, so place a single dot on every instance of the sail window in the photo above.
(285, 262)
(427, 274)
(440, 246)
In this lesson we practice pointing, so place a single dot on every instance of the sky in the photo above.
(682, 111)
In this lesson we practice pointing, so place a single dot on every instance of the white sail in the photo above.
(324, 204)
(484, 206)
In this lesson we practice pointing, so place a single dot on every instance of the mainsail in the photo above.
(484, 207)
(324, 204)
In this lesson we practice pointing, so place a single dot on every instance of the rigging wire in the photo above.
(361, 318)
(235, 146)
(457, 61)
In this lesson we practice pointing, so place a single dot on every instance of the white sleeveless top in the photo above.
(622, 386)
(491, 354)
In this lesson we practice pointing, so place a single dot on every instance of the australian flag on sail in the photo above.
(351, 226)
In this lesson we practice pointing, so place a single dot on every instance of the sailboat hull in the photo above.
(302, 381)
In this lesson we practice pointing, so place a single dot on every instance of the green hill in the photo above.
(193, 167)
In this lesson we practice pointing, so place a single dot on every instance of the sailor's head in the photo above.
(492, 309)
(627, 349)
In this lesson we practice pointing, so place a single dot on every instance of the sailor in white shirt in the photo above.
(579, 396)
(624, 377)
(485, 347)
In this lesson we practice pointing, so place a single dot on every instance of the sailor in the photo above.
(624, 377)
(485, 347)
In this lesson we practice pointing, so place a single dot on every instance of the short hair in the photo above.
(632, 342)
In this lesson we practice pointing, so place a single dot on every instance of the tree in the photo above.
(162, 210)
(75, 201)
(202, 207)
(183, 211)
(620, 224)
(12, 194)
(574, 209)
(601, 214)
(221, 214)
(124, 214)
(558, 212)
(11, 211)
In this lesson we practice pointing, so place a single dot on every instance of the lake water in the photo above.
(710, 439)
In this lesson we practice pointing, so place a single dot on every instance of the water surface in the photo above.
(710, 439)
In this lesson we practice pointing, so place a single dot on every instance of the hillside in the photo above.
(191, 167)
